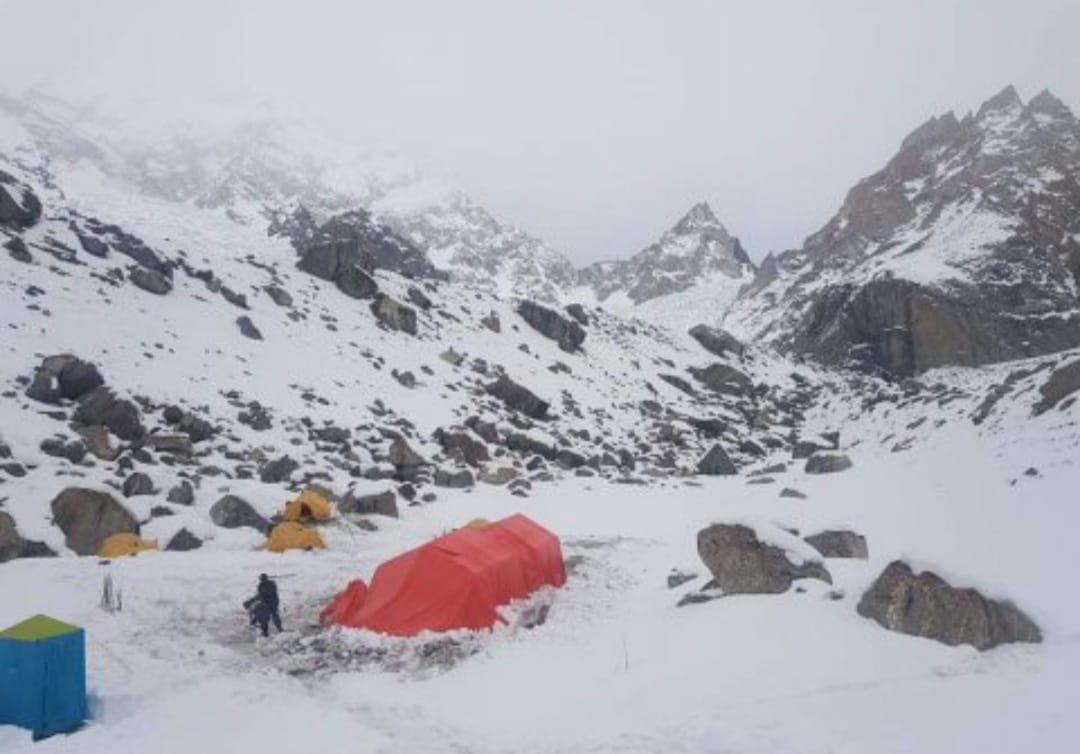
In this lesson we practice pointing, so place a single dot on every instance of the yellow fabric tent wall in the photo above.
(308, 505)
(293, 536)
(119, 545)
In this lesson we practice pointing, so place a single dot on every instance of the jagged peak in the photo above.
(699, 216)
(1007, 99)
(939, 128)
(1045, 103)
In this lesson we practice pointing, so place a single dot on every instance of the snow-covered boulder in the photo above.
(741, 563)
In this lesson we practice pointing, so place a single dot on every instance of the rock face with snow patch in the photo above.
(394, 314)
(101, 407)
(232, 512)
(839, 543)
(716, 463)
(926, 605)
(962, 250)
(13, 546)
(63, 376)
(87, 517)
(518, 397)
(741, 564)
(567, 333)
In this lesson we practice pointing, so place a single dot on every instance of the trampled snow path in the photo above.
(617, 667)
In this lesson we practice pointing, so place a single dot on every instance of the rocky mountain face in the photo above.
(963, 250)
(696, 251)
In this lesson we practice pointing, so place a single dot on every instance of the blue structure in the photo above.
(43, 676)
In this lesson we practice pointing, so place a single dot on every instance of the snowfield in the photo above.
(617, 667)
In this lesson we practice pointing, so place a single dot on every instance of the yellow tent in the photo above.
(119, 545)
(293, 536)
(478, 523)
(309, 505)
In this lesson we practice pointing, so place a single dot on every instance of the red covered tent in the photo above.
(456, 581)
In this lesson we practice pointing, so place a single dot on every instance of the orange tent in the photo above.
(456, 581)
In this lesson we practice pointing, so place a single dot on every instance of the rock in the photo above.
(394, 315)
(13, 546)
(491, 322)
(178, 444)
(549, 323)
(709, 427)
(247, 328)
(138, 484)
(577, 311)
(16, 470)
(500, 476)
(101, 407)
(518, 398)
(183, 541)
(95, 247)
(804, 449)
(699, 598)
(332, 434)
(1063, 381)
(161, 511)
(63, 376)
(256, 416)
(463, 446)
(926, 605)
(792, 493)
(278, 470)
(721, 378)
(839, 543)
(17, 248)
(716, 341)
(18, 213)
(232, 512)
(381, 504)
(356, 283)
(418, 298)
(182, 493)
(568, 459)
(827, 463)
(329, 260)
(405, 379)
(279, 296)
(73, 451)
(741, 564)
(96, 438)
(452, 357)
(198, 429)
(716, 463)
(150, 280)
(87, 517)
(677, 578)
(460, 479)
(522, 443)
(403, 457)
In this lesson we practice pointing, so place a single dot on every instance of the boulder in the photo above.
(87, 517)
(491, 322)
(63, 376)
(716, 463)
(804, 449)
(18, 250)
(183, 541)
(138, 484)
(278, 470)
(418, 298)
(329, 260)
(182, 493)
(356, 283)
(1062, 382)
(518, 398)
(150, 280)
(101, 407)
(73, 451)
(13, 546)
(279, 295)
(522, 443)
(452, 357)
(741, 564)
(549, 323)
(402, 456)
(792, 493)
(500, 476)
(380, 504)
(926, 605)
(839, 543)
(394, 314)
(177, 444)
(17, 213)
(95, 247)
(232, 512)
(717, 341)
(459, 479)
(721, 378)
(827, 463)
(577, 311)
(96, 439)
(463, 446)
(247, 328)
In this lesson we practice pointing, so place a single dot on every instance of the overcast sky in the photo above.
(593, 124)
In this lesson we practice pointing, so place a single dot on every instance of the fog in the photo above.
(591, 124)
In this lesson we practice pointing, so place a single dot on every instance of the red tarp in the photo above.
(455, 581)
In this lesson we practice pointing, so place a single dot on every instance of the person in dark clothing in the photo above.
(268, 595)
(260, 615)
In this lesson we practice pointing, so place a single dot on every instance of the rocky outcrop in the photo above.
(233, 512)
(827, 463)
(456, 479)
(19, 205)
(722, 378)
(741, 564)
(1062, 382)
(13, 546)
(518, 397)
(839, 543)
(150, 280)
(248, 328)
(394, 314)
(926, 605)
(566, 332)
(87, 517)
(717, 341)
(463, 446)
(278, 470)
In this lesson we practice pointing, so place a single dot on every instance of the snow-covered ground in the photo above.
(617, 667)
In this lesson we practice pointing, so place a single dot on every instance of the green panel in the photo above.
(37, 628)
